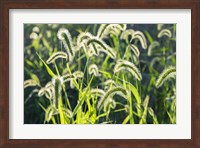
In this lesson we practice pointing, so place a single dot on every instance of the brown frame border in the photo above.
(5, 5)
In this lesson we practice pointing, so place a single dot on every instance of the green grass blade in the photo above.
(50, 72)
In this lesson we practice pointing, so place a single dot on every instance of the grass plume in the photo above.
(128, 66)
(167, 73)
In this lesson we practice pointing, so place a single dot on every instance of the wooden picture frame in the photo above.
(6, 5)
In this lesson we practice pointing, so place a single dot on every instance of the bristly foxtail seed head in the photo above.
(49, 113)
(60, 33)
(64, 35)
(68, 77)
(57, 82)
(71, 77)
(97, 92)
(112, 104)
(88, 49)
(153, 45)
(36, 29)
(124, 26)
(109, 82)
(57, 55)
(78, 74)
(165, 32)
(47, 91)
(126, 33)
(126, 65)
(135, 50)
(49, 85)
(95, 49)
(106, 29)
(139, 35)
(102, 29)
(167, 73)
(104, 47)
(49, 94)
(159, 26)
(83, 36)
(93, 69)
(30, 82)
(115, 90)
(33, 35)
(109, 104)
(41, 92)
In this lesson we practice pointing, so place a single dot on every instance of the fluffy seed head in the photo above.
(30, 82)
(128, 66)
(102, 46)
(159, 26)
(82, 37)
(106, 29)
(167, 73)
(78, 74)
(49, 113)
(153, 45)
(139, 35)
(97, 92)
(109, 104)
(36, 29)
(57, 55)
(126, 33)
(135, 50)
(165, 32)
(33, 35)
(109, 94)
(93, 69)
(68, 77)
(65, 37)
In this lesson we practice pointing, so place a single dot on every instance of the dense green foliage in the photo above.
(100, 73)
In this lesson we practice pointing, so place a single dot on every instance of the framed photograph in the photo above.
(100, 73)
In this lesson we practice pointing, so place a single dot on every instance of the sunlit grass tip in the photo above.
(33, 35)
(97, 92)
(106, 29)
(109, 104)
(82, 37)
(64, 35)
(30, 82)
(102, 46)
(48, 92)
(140, 36)
(71, 77)
(78, 74)
(110, 93)
(126, 33)
(36, 29)
(153, 45)
(130, 34)
(129, 66)
(68, 77)
(49, 85)
(109, 82)
(57, 83)
(165, 32)
(57, 55)
(159, 26)
(167, 73)
(135, 49)
(93, 70)
(49, 113)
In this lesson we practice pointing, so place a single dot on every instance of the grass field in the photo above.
(99, 73)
